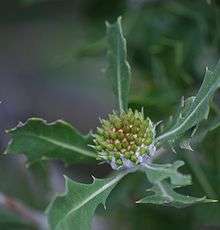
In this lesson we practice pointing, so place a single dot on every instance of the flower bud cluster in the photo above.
(125, 140)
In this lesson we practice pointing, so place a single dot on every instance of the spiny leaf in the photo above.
(165, 178)
(196, 108)
(164, 194)
(118, 68)
(75, 208)
(159, 172)
(40, 140)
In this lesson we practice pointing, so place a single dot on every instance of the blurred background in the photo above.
(52, 61)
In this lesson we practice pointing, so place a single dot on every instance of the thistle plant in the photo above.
(127, 140)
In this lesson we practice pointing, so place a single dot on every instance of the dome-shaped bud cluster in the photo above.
(125, 140)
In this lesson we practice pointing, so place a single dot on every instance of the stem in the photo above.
(36, 218)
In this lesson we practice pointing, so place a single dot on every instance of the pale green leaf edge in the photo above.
(122, 89)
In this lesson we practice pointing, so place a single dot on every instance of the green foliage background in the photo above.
(169, 45)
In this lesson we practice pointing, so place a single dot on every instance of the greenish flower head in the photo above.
(125, 140)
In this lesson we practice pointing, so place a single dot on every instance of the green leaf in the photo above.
(165, 178)
(164, 194)
(159, 172)
(40, 140)
(75, 208)
(195, 109)
(118, 68)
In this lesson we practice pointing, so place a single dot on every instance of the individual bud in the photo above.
(119, 162)
(118, 144)
(148, 141)
(134, 147)
(120, 134)
(129, 137)
(125, 143)
(123, 151)
(143, 150)
(134, 158)
(117, 155)
(138, 141)
(112, 134)
(110, 147)
(128, 155)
